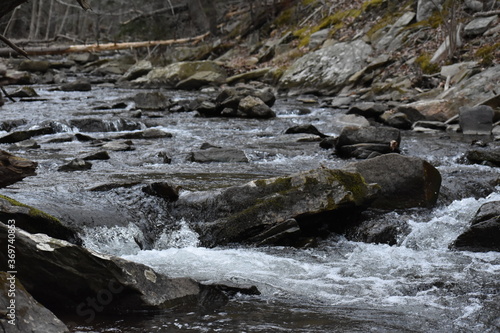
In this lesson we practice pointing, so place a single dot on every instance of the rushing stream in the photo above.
(418, 285)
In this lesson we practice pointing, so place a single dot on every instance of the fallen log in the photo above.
(53, 50)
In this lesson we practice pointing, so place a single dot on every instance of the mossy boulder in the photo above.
(171, 75)
(35, 221)
(249, 213)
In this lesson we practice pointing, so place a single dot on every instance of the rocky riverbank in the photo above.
(362, 137)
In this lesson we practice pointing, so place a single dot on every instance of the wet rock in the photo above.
(163, 190)
(151, 101)
(405, 182)
(26, 144)
(489, 155)
(41, 66)
(101, 155)
(263, 208)
(328, 143)
(254, 107)
(150, 133)
(24, 92)
(120, 145)
(479, 25)
(14, 168)
(171, 75)
(368, 109)
(326, 70)
(94, 281)
(25, 135)
(360, 142)
(221, 155)
(166, 158)
(208, 109)
(83, 138)
(30, 316)
(476, 120)
(76, 165)
(9, 125)
(83, 58)
(78, 85)
(484, 232)
(35, 221)
(308, 129)
(100, 125)
(201, 79)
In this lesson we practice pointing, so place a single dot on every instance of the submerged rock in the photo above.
(77, 164)
(484, 232)
(95, 282)
(405, 182)
(261, 211)
(14, 168)
(29, 315)
(78, 85)
(221, 155)
(25, 135)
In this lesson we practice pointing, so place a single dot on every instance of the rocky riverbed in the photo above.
(329, 196)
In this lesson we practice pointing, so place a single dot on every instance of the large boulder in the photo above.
(476, 120)
(405, 182)
(171, 75)
(14, 168)
(23, 313)
(66, 277)
(484, 231)
(272, 210)
(35, 221)
(328, 69)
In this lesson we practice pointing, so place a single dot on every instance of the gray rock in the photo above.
(24, 92)
(476, 120)
(25, 135)
(171, 75)
(328, 69)
(248, 76)
(201, 79)
(120, 145)
(425, 8)
(101, 125)
(368, 109)
(308, 129)
(76, 165)
(29, 316)
(78, 85)
(318, 38)
(479, 25)
(150, 133)
(141, 68)
(26, 144)
(254, 107)
(96, 282)
(34, 220)
(361, 141)
(422, 126)
(398, 120)
(101, 155)
(221, 155)
(405, 182)
(14, 168)
(484, 232)
(151, 101)
(489, 155)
